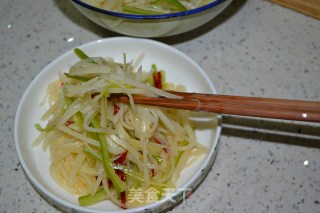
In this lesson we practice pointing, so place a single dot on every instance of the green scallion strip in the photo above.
(89, 199)
(80, 53)
(155, 69)
(46, 129)
(118, 184)
(175, 3)
(158, 2)
(124, 58)
(92, 153)
(80, 78)
(136, 10)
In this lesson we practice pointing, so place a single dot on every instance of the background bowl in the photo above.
(179, 68)
(152, 25)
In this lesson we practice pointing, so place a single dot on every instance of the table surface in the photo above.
(253, 48)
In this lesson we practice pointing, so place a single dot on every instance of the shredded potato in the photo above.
(101, 150)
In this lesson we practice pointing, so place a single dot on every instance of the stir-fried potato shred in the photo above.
(101, 150)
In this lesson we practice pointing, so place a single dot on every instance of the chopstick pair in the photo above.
(234, 105)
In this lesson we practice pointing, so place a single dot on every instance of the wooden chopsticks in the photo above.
(235, 105)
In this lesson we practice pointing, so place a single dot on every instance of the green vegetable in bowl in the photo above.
(147, 7)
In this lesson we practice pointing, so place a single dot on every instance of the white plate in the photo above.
(179, 68)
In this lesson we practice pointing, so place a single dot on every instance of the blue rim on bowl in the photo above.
(162, 16)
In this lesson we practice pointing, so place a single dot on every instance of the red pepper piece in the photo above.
(69, 123)
(121, 174)
(94, 95)
(159, 142)
(109, 183)
(122, 158)
(123, 197)
(116, 109)
(157, 80)
(153, 172)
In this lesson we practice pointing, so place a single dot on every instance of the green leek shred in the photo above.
(155, 69)
(80, 78)
(80, 53)
(41, 129)
(136, 10)
(92, 153)
(89, 199)
(175, 3)
(118, 184)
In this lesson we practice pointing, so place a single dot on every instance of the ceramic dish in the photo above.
(180, 69)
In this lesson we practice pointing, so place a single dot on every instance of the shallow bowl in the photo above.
(180, 69)
(151, 25)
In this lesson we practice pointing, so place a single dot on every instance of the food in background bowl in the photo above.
(157, 18)
(179, 69)
(148, 7)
